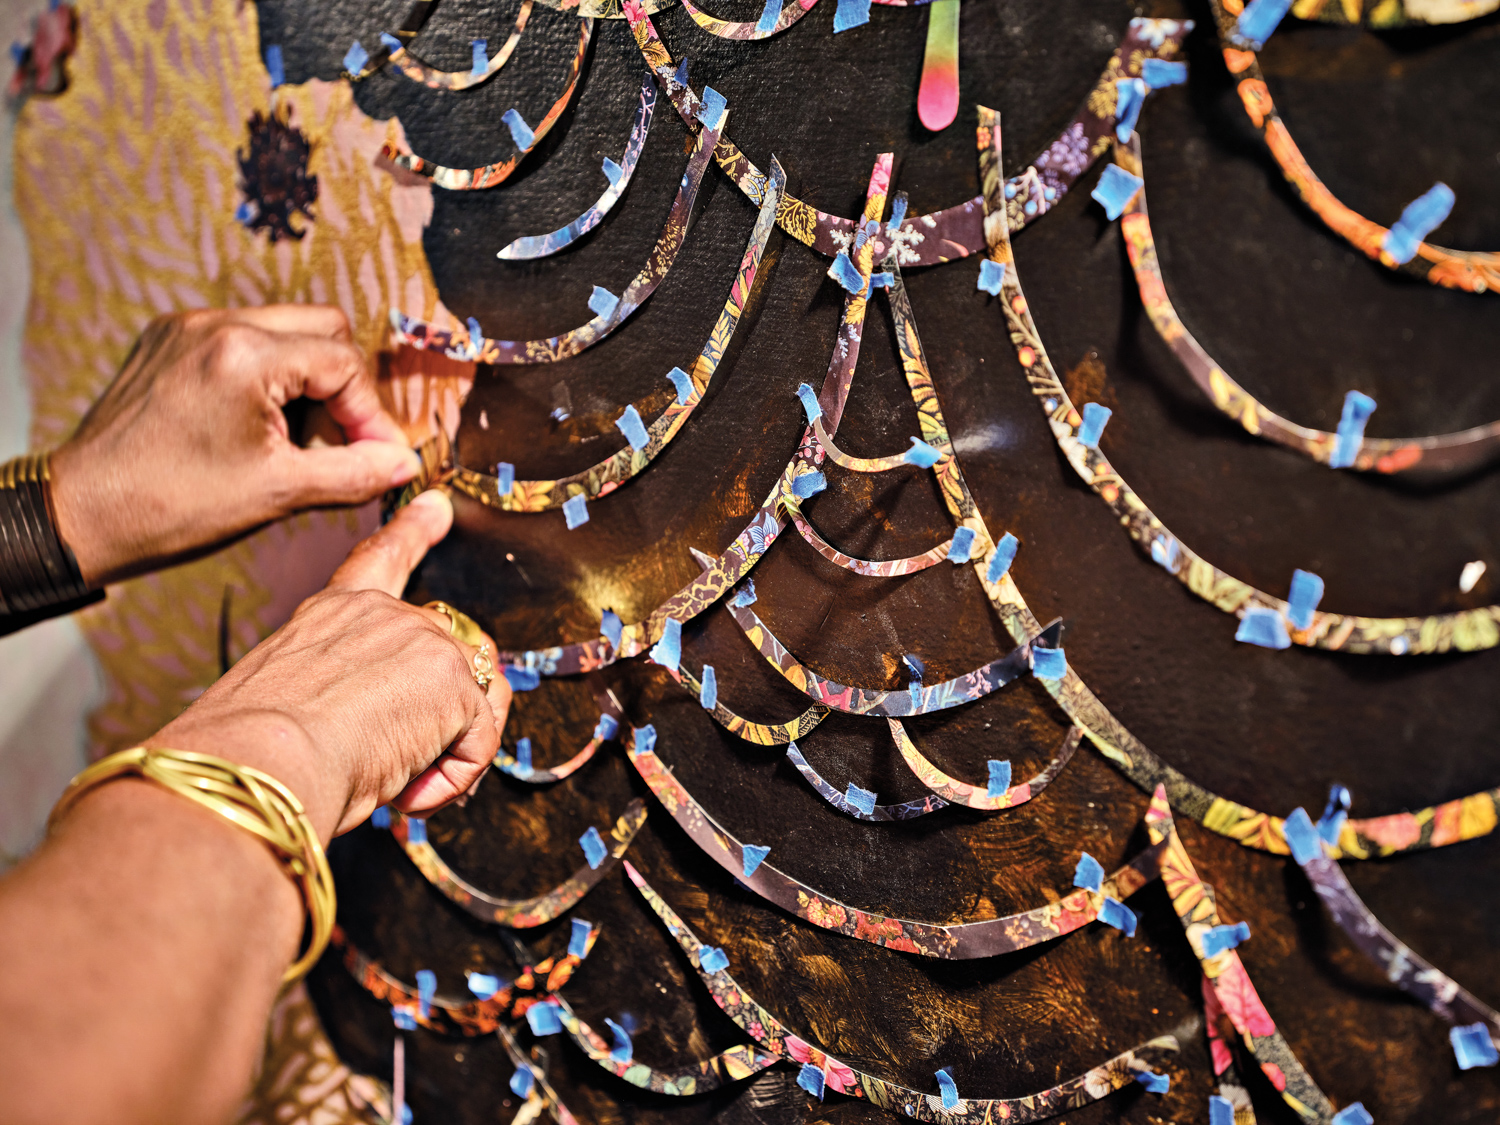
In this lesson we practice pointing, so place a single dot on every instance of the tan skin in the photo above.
(145, 940)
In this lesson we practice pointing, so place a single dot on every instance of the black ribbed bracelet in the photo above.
(39, 576)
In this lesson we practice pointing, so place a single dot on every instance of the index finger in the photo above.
(305, 320)
(336, 373)
(386, 559)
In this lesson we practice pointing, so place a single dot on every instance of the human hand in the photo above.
(360, 699)
(189, 446)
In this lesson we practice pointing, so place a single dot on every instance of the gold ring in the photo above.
(461, 627)
(484, 668)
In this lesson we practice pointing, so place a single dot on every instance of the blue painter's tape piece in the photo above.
(522, 679)
(1115, 189)
(426, 990)
(846, 273)
(520, 132)
(390, 42)
(1421, 216)
(274, 66)
(861, 799)
(881, 281)
(1130, 95)
(1355, 1114)
(898, 212)
(381, 817)
(1005, 554)
(576, 511)
(623, 1048)
(963, 544)
(948, 1087)
(611, 628)
(684, 384)
(356, 57)
(606, 728)
(1302, 837)
(416, 830)
(713, 959)
(810, 1078)
(810, 405)
(1220, 1110)
(768, 17)
(1166, 552)
(602, 302)
(1117, 914)
(1156, 1083)
(681, 76)
(483, 985)
(752, 856)
(506, 472)
(578, 940)
(991, 277)
(17, 52)
(1351, 432)
(1048, 663)
(593, 848)
(245, 213)
(999, 778)
(644, 740)
(712, 109)
(522, 1080)
(480, 57)
(633, 428)
(1160, 73)
(922, 455)
(1472, 1046)
(1331, 823)
(668, 651)
(708, 695)
(612, 171)
(914, 666)
(1303, 599)
(1259, 19)
(403, 1019)
(747, 595)
(1220, 938)
(476, 336)
(1095, 418)
(809, 484)
(523, 752)
(1264, 627)
(1089, 874)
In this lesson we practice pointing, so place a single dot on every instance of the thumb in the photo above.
(345, 474)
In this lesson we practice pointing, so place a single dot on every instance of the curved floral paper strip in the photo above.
(1118, 1073)
(976, 796)
(445, 1015)
(628, 462)
(456, 345)
(527, 912)
(1385, 14)
(487, 176)
(1403, 968)
(1193, 900)
(542, 245)
(726, 29)
(762, 734)
(884, 568)
(403, 61)
(1451, 452)
(726, 1067)
(543, 1092)
(1464, 631)
(958, 941)
(879, 814)
(856, 464)
(1472, 270)
(957, 231)
(546, 775)
(411, 23)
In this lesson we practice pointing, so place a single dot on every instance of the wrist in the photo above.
(37, 570)
(84, 518)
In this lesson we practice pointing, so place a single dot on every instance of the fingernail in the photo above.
(433, 498)
(407, 470)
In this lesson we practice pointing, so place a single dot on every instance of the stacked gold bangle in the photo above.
(254, 801)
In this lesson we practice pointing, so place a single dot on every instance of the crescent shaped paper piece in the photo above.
(542, 1095)
(957, 231)
(1464, 631)
(604, 9)
(610, 313)
(518, 913)
(877, 814)
(1471, 270)
(761, 734)
(366, 62)
(1453, 452)
(1193, 900)
(407, 64)
(838, 1076)
(542, 245)
(954, 791)
(884, 568)
(628, 462)
(860, 464)
(725, 29)
(1403, 968)
(960, 941)
(1384, 14)
(725, 1068)
(611, 715)
(488, 175)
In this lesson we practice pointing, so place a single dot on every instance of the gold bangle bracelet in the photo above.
(245, 796)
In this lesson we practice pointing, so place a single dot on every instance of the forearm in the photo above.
(144, 945)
